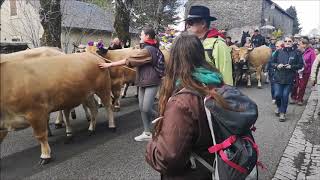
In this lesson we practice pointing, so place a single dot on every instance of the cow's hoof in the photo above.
(136, 96)
(44, 161)
(116, 109)
(113, 129)
(259, 87)
(58, 126)
(124, 96)
(73, 115)
(100, 105)
(88, 119)
(68, 140)
(90, 133)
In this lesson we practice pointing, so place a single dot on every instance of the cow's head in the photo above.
(235, 54)
(243, 54)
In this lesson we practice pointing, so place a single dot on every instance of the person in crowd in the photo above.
(183, 126)
(115, 44)
(301, 81)
(315, 76)
(296, 39)
(148, 77)
(228, 41)
(279, 45)
(272, 44)
(257, 39)
(286, 62)
(317, 51)
(217, 51)
(267, 41)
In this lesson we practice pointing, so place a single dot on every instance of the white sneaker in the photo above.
(145, 136)
(273, 101)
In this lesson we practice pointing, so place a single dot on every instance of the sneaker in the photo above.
(276, 112)
(273, 101)
(300, 103)
(145, 136)
(292, 101)
(282, 117)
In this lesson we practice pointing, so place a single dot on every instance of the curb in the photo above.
(301, 158)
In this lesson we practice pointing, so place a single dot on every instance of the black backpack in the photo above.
(236, 153)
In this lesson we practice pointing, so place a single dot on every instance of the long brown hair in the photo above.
(186, 54)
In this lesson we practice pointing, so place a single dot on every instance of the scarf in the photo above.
(205, 76)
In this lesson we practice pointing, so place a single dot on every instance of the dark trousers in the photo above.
(281, 92)
(299, 87)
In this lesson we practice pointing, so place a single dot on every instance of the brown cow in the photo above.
(43, 52)
(32, 88)
(256, 58)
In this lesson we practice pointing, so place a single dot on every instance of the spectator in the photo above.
(272, 44)
(257, 39)
(183, 126)
(279, 45)
(286, 62)
(315, 76)
(115, 44)
(228, 41)
(150, 67)
(301, 81)
(217, 52)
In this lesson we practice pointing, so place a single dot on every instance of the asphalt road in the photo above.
(109, 155)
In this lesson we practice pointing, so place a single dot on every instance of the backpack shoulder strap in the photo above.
(209, 51)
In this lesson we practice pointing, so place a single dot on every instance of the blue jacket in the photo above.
(286, 56)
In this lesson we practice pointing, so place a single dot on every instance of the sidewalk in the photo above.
(301, 158)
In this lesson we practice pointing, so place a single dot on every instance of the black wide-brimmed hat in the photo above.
(200, 12)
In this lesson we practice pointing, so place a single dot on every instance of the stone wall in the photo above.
(234, 15)
(244, 15)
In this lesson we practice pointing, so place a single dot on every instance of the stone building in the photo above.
(246, 15)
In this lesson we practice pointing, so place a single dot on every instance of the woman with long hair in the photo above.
(183, 126)
(148, 78)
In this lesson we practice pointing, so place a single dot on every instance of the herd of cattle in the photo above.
(39, 81)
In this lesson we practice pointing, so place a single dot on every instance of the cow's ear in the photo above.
(250, 49)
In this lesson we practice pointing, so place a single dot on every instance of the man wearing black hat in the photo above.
(217, 52)
(257, 39)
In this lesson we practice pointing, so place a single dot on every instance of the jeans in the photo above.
(282, 92)
(146, 101)
(272, 90)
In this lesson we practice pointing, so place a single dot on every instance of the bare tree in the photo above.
(123, 9)
(26, 26)
(50, 16)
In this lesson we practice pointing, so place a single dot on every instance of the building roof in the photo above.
(280, 8)
(83, 15)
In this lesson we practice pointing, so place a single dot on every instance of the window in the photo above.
(13, 7)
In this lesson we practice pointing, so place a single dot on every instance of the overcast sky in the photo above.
(308, 12)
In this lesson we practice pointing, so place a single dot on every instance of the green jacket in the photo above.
(220, 58)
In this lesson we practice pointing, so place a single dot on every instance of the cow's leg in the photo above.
(137, 88)
(106, 100)
(73, 114)
(38, 123)
(116, 90)
(59, 120)
(124, 91)
(3, 134)
(258, 75)
(69, 134)
(97, 99)
(90, 103)
(88, 116)
(248, 79)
